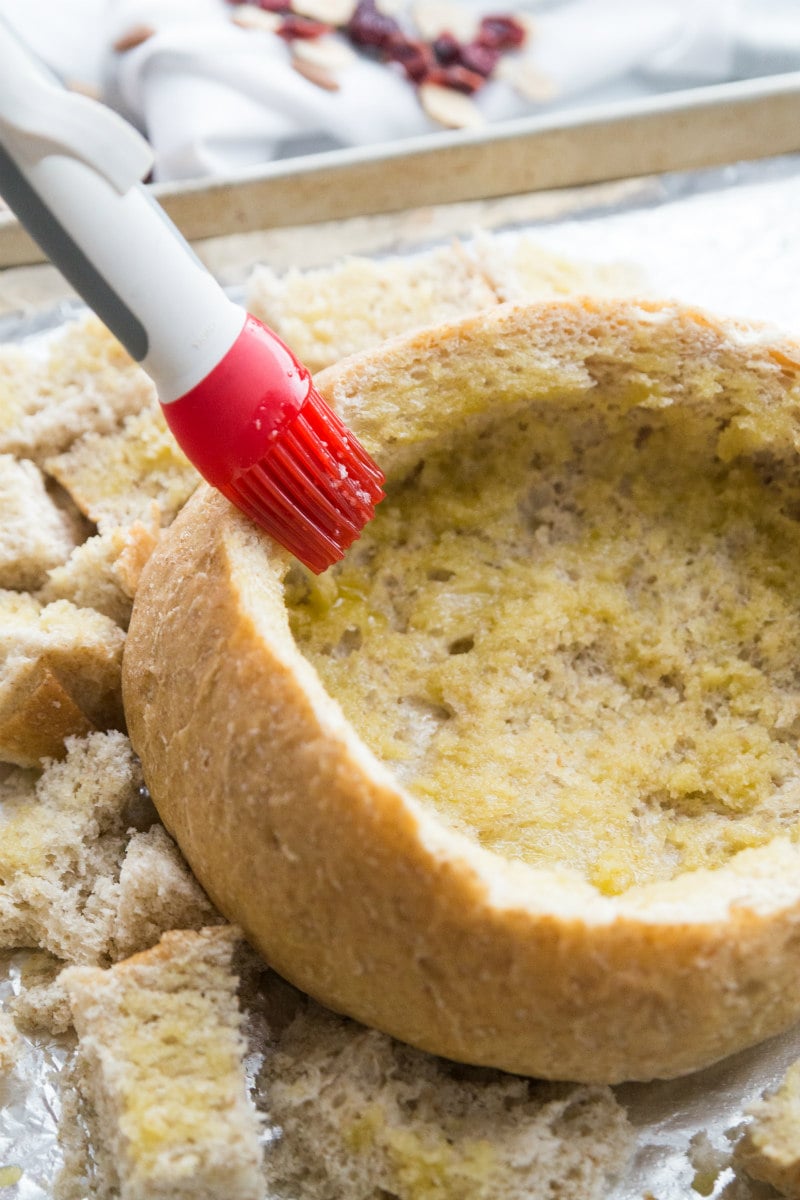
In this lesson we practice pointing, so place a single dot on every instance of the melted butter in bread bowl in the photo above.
(577, 640)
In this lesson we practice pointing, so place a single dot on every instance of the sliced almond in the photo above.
(83, 88)
(449, 108)
(527, 79)
(249, 16)
(529, 24)
(333, 12)
(328, 52)
(433, 17)
(317, 74)
(390, 8)
(133, 38)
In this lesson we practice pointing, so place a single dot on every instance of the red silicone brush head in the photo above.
(259, 431)
(315, 490)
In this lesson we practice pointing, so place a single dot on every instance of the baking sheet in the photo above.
(728, 240)
(29, 1103)
(693, 128)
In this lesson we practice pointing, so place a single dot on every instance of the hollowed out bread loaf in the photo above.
(518, 781)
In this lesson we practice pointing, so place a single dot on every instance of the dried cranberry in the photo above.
(501, 33)
(446, 48)
(372, 29)
(480, 58)
(457, 77)
(415, 57)
(301, 27)
(273, 6)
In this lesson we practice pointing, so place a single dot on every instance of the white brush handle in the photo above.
(70, 170)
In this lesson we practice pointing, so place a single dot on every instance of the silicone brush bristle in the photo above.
(315, 489)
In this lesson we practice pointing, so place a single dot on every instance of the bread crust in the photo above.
(38, 720)
(341, 879)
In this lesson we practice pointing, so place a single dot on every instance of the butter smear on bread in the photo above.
(576, 638)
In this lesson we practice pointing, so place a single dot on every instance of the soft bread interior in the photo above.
(572, 629)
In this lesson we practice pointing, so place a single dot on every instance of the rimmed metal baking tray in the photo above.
(682, 130)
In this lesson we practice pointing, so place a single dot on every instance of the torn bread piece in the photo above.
(41, 1004)
(16, 388)
(150, 892)
(77, 881)
(519, 268)
(62, 838)
(709, 1157)
(769, 1149)
(329, 313)
(157, 892)
(82, 380)
(103, 572)
(35, 534)
(160, 1075)
(10, 1043)
(362, 1115)
(116, 478)
(59, 676)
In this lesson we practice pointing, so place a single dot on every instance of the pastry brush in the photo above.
(243, 409)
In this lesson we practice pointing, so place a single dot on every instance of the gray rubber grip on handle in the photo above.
(71, 261)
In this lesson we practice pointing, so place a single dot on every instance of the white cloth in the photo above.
(214, 98)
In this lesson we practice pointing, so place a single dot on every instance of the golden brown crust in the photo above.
(339, 877)
(39, 719)
(45, 706)
(138, 543)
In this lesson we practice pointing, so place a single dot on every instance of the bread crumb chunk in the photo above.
(35, 535)
(59, 676)
(9, 1043)
(137, 895)
(82, 380)
(520, 269)
(157, 892)
(769, 1149)
(328, 313)
(160, 1074)
(62, 838)
(361, 1114)
(103, 572)
(116, 477)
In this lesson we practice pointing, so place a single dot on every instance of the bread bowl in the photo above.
(595, 575)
